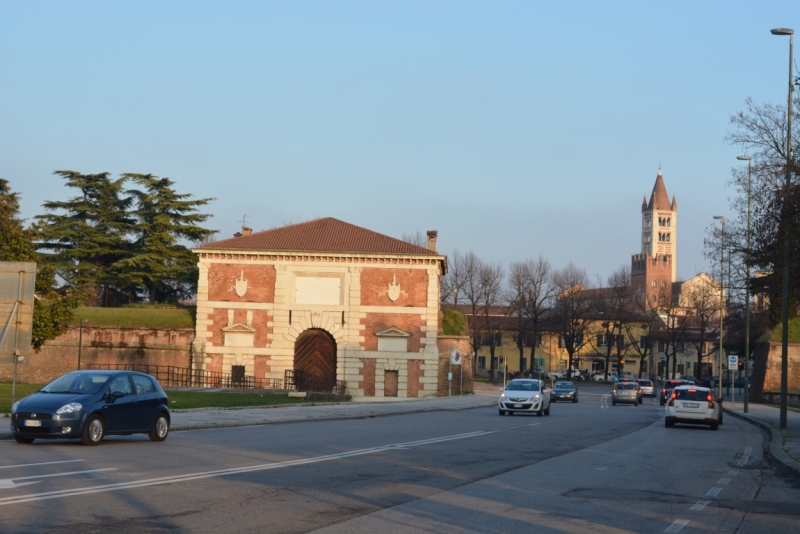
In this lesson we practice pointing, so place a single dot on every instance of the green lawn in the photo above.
(177, 399)
(794, 331)
(131, 317)
(181, 400)
(23, 390)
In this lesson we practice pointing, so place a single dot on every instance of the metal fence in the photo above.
(198, 378)
(300, 381)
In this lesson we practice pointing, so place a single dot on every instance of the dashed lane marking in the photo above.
(699, 506)
(677, 525)
(723, 481)
(733, 472)
(713, 492)
(40, 463)
(745, 457)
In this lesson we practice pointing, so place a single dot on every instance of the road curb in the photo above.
(787, 465)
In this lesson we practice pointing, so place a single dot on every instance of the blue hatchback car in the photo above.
(90, 405)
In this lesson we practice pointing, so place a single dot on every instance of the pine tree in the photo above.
(87, 233)
(166, 269)
(52, 309)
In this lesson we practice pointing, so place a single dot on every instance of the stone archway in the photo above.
(315, 355)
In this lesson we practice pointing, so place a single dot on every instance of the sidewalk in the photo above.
(784, 445)
(203, 418)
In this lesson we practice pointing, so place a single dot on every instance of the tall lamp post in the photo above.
(721, 296)
(749, 161)
(785, 304)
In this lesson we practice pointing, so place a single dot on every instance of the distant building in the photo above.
(325, 298)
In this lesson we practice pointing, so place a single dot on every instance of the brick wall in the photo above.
(413, 285)
(219, 316)
(415, 372)
(167, 347)
(375, 322)
(772, 375)
(260, 282)
(446, 344)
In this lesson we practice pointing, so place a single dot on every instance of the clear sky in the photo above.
(513, 128)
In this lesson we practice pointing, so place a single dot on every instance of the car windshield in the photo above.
(86, 383)
(626, 386)
(645, 383)
(565, 385)
(519, 385)
(691, 394)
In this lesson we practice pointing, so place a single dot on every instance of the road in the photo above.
(588, 467)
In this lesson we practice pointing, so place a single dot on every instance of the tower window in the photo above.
(667, 238)
(654, 283)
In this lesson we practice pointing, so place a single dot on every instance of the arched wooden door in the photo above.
(315, 355)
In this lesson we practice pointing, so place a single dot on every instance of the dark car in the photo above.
(565, 391)
(669, 385)
(90, 405)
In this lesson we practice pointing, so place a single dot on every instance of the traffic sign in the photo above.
(733, 362)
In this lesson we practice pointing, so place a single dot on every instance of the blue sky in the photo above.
(513, 128)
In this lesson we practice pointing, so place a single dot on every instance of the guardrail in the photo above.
(198, 378)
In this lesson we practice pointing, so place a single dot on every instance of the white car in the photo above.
(525, 395)
(648, 389)
(693, 405)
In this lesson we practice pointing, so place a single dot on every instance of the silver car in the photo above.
(525, 395)
(625, 392)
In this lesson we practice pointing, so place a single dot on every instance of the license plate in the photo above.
(30, 422)
(517, 406)
(691, 405)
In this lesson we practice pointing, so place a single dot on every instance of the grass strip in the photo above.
(134, 317)
(182, 400)
(23, 390)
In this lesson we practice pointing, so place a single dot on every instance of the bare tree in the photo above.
(673, 330)
(703, 320)
(572, 312)
(453, 281)
(641, 328)
(417, 238)
(611, 306)
(491, 280)
(471, 266)
(529, 294)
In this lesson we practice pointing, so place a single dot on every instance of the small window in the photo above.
(662, 346)
(481, 362)
(143, 384)
(121, 384)
(237, 373)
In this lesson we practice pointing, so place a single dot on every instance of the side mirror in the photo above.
(113, 395)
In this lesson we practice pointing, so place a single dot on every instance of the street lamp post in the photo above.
(721, 296)
(749, 161)
(785, 304)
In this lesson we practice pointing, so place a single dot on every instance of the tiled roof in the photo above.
(659, 199)
(321, 235)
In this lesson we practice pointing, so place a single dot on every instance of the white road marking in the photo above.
(41, 463)
(677, 525)
(236, 470)
(604, 400)
(723, 481)
(6, 483)
(745, 457)
(713, 492)
(699, 506)
(733, 472)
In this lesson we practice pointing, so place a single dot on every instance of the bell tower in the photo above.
(655, 267)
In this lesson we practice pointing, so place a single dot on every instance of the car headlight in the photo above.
(502, 395)
(14, 408)
(72, 407)
(536, 397)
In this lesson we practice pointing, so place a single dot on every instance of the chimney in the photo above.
(432, 239)
(246, 230)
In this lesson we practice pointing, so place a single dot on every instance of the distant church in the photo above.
(654, 269)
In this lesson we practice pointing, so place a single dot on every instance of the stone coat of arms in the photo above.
(240, 286)
(393, 290)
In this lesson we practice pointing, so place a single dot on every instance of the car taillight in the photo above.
(710, 402)
(671, 402)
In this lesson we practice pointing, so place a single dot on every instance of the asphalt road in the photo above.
(588, 467)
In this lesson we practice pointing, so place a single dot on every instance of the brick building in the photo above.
(325, 297)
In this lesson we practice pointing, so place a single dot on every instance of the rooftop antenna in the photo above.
(244, 221)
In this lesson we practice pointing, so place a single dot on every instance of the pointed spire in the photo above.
(659, 199)
(644, 203)
(674, 204)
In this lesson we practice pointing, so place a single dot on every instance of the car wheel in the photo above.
(575, 399)
(636, 404)
(26, 441)
(540, 412)
(720, 417)
(160, 428)
(668, 424)
(502, 412)
(714, 425)
(94, 431)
